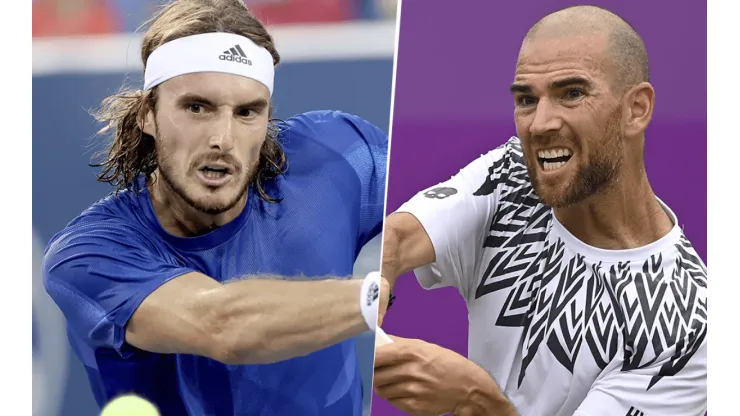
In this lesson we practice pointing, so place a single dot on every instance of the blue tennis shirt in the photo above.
(110, 258)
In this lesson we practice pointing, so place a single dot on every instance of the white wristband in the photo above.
(369, 295)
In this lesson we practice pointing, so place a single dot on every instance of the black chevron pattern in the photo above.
(654, 310)
(566, 342)
(536, 325)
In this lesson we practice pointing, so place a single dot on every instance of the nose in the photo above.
(546, 119)
(222, 134)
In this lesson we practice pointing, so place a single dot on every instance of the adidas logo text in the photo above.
(235, 54)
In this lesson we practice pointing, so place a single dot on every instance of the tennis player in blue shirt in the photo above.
(216, 279)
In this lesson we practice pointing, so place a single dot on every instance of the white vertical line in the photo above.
(390, 133)
(723, 228)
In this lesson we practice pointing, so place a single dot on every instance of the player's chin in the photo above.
(217, 196)
(215, 204)
(552, 194)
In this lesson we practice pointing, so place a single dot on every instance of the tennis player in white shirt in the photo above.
(584, 296)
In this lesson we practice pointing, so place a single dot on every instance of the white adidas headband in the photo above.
(210, 52)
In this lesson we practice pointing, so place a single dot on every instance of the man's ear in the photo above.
(146, 124)
(640, 102)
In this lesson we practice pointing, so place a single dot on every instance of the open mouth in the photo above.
(553, 159)
(214, 171)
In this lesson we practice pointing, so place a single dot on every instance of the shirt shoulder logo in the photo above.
(440, 193)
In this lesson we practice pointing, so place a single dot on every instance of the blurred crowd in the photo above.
(100, 17)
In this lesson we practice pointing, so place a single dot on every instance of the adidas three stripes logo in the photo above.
(235, 54)
(634, 412)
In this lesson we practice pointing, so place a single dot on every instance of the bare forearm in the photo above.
(391, 266)
(406, 246)
(262, 321)
(484, 397)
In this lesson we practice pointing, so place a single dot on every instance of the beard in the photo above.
(597, 176)
(212, 201)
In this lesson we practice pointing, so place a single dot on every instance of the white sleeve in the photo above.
(682, 391)
(456, 215)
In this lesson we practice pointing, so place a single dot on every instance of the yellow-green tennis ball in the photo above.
(129, 405)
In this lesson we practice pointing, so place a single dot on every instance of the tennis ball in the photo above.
(129, 405)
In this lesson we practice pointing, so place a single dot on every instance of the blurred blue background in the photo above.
(80, 50)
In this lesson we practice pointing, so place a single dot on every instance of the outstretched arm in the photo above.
(114, 293)
(249, 321)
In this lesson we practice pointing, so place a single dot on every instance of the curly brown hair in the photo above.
(132, 152)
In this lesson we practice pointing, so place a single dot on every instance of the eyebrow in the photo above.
(520, 88)
(559, 84)
(256, 104)
(569, 82)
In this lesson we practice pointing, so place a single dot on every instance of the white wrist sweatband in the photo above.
(210, 52)
(369, 295)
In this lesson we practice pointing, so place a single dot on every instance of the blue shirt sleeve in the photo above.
(365, 147)
(98, 273)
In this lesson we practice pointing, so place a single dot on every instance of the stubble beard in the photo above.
(601, 173)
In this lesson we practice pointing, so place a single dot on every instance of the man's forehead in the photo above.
(543, 47)
(580, 53)
(215, 85)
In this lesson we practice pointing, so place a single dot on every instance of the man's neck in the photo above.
(625, 216)
(179, 218)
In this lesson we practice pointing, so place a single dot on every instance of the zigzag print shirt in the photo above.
(565, 328)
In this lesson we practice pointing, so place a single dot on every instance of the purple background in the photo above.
(455, 63)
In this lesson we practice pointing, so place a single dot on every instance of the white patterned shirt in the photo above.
(562, 327)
